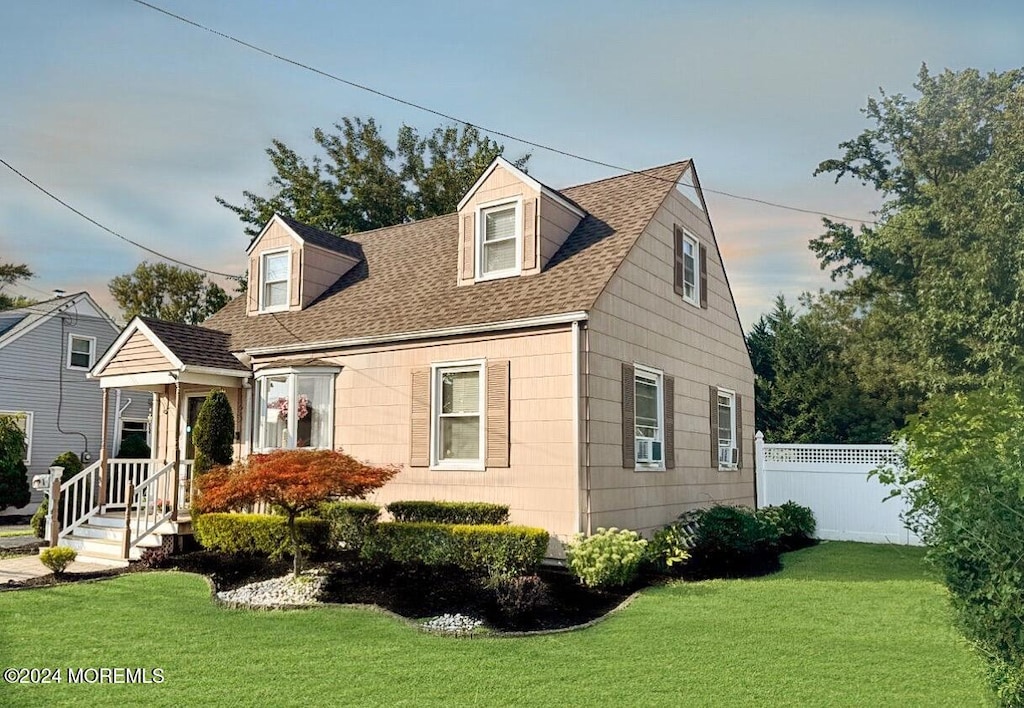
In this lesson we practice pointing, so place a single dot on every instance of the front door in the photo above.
(193, 404)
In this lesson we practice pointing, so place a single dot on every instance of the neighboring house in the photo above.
(46, 352)
(574, 354)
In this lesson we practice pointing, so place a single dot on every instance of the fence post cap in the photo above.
(759, 436)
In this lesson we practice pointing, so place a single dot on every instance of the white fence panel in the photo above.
(833, 481)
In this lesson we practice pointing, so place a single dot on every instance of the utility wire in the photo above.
(468, 124)
(110, 231)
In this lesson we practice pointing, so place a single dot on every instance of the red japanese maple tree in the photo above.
(294, 480)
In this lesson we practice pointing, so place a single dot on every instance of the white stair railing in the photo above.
(152, 503)
(78, 499)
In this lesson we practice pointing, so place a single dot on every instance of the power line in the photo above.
(110, 231)
(468, 124)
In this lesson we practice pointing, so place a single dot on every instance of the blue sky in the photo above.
(139, 120)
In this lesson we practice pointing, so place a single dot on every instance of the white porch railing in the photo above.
(78, 500)
(152, 503)
(122, 471)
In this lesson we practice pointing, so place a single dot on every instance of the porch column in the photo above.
(104, 443)
(175, 425)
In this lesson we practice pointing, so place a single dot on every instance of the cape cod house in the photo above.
(575, 354)
(46, 352)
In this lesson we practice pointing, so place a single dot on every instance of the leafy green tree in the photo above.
(14, 487)
(963, 476)
(10, 274)
(942, 271)
(213, 434)
(167, 292)
(359, 181)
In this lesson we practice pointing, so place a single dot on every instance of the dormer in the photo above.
(511, 225)
(292, 264)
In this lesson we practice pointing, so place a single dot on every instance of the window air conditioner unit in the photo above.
(728, 455)
(647, 450)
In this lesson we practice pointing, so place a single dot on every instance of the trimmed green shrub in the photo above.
(492, 550)
(72, 465)
(214, 433)
(733, 542)
(608, 558)
(134, 447)
(14, 487)
(350, 522)
(57, 558)
(795, 524)
(670, 546)
(442, 512)
(258, 534)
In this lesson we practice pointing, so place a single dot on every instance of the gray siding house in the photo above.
(46, 351)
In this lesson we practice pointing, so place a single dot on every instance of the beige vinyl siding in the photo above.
(275, 238)
(500, 184)
(137, 356)
(320, 270)
(556, 223)
(639, 318)
(373, 404)
(163, 448)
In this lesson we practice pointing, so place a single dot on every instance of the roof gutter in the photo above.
(561, 318)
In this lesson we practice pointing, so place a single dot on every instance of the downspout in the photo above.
(586, 423)
(576, 437)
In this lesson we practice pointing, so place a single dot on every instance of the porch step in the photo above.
(99, 550)
(90, 531)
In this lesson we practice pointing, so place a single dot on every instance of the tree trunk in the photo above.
(293, 536)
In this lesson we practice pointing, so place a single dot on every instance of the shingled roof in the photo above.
(195, 345)
(406, 281)
(324, 239)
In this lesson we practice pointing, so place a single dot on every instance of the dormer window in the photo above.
(274, 274)
(500, 239)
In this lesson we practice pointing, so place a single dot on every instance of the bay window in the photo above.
(295, 408)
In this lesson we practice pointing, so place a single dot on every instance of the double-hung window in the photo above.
(648, 418)
(499, 240)
(691, 272)
(80, 352)
(274, 284)
(727, 447)
(295, 408)
(23, 421)
(457, 428)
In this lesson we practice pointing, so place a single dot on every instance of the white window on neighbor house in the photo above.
(727, 448)
(295, 408)
(80, 352)
(274, 285)
(649, 417)
(23, 420)
(691, 271)
(134, 430)
(499, 239)
(457, 428)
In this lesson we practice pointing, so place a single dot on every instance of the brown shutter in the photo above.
(669, 408)
(677, 260)
(739, 431)
(628, 417)
(468, 248)
(703, 277)
(497, 414)
(295, 278)
(530, 234)
(714, 426)
(419, 439)
(253, 286)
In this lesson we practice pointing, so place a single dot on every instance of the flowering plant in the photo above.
(281, 404)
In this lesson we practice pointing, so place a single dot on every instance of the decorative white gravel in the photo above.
(452, 624)
(279, 592)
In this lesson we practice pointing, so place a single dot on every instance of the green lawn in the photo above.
(843, 624)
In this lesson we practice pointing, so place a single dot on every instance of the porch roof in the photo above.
(196, 346)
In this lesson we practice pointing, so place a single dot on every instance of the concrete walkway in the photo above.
(29, 566)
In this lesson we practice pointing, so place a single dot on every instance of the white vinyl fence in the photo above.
(833, 481)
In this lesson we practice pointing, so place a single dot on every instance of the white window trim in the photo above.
(659, 380)
(732, 427)
(293, 422)
(693, 241)
(29, 415)
(436, 463)
(479, 245)
(263, 280)
(92, 352)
